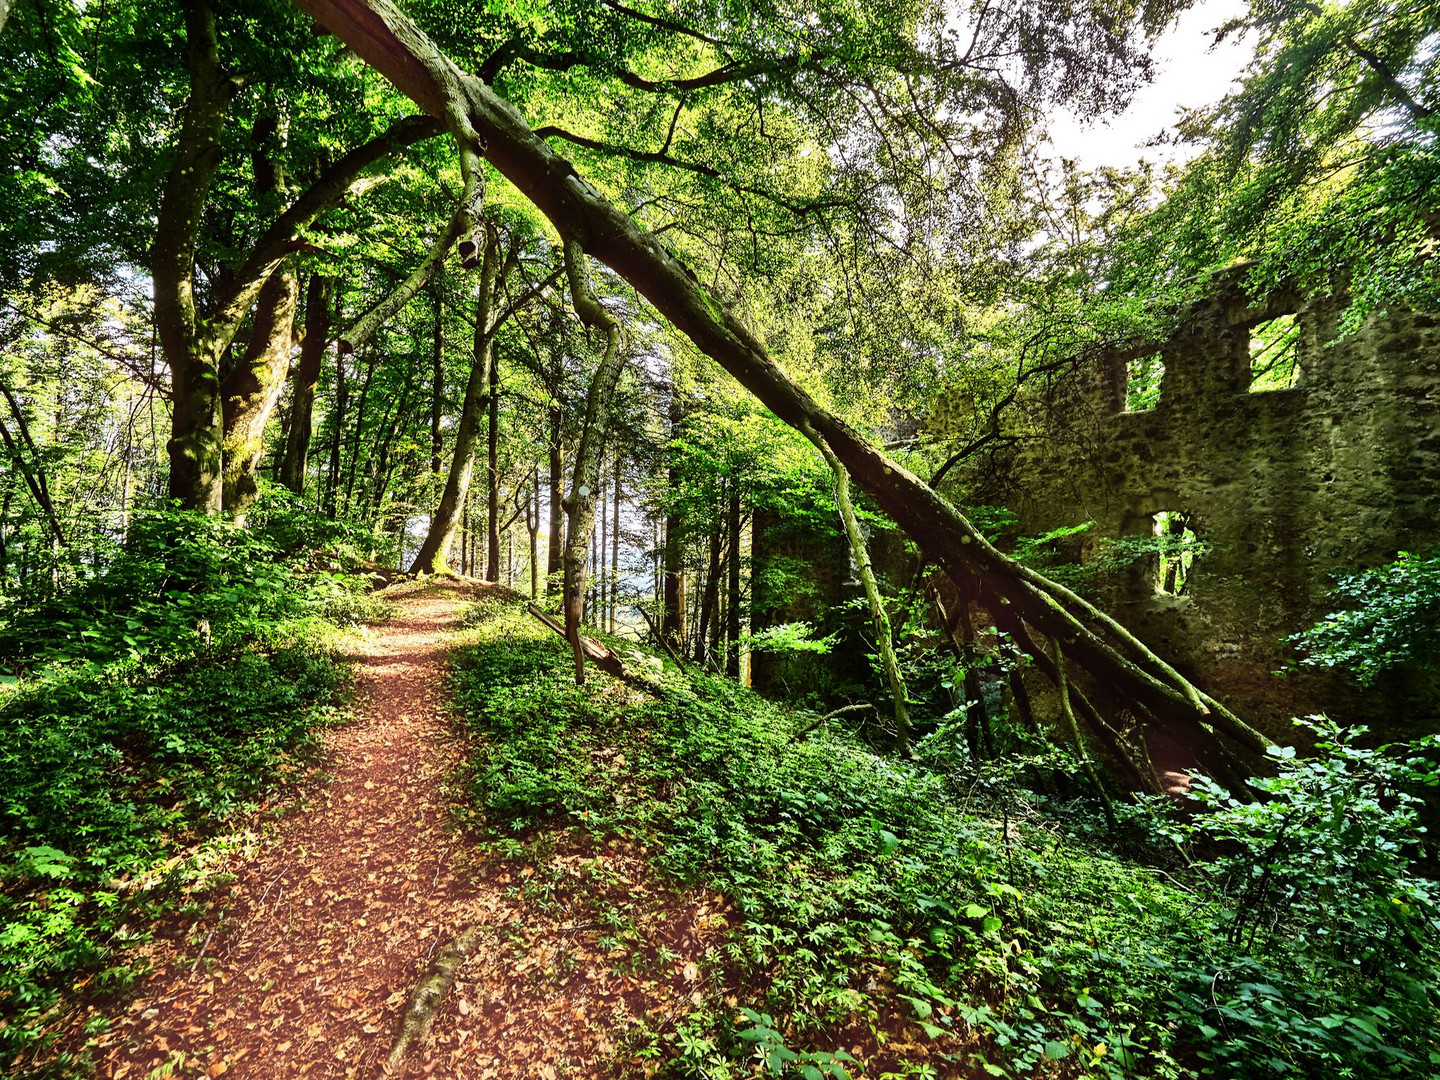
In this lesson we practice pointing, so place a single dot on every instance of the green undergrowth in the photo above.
(870, 886)
(159, 699)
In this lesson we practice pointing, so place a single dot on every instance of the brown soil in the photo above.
(308, 955)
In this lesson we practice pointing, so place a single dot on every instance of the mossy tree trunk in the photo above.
(250, 392)
(884, 642)
(434, 552)
(585, 478)
(319, 295)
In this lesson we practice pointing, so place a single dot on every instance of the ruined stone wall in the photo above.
(1286, 486)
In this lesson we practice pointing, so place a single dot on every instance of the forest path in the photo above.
(311, 952)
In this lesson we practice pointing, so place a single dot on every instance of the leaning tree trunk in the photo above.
(492, 473)
(434, 551)
(250, 393)
(464, 221)
(319, 295)
(580, 506)
(32, 469)
(480, 120)
(881, 620)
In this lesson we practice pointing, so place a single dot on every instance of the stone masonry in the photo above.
(1286, 487)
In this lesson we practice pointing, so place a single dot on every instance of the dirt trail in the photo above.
(310, 953)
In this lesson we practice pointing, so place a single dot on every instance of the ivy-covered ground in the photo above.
(927, 918)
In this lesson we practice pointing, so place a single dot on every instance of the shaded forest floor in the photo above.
(642, 873)
(304, 960)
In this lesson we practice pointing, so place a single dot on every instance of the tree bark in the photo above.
(437, 381)
(580, 506)
(31, 470)
(732, 598)
(318, 297)
(342, 400)
(555, 426)
(672, 610)
(710, 595)
(492, 471)
(615, 540)
(477, 116)
(251, 390)
(434, 552)
(193, 345)
(358, 435)
(195, 446)
(364, 327)
(532, 526)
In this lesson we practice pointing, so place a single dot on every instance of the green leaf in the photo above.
(1365, 1026)
(922, 1008)
(778, 1056)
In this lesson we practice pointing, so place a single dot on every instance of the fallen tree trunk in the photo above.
(596, 653)
(478, 117)
(425, 999)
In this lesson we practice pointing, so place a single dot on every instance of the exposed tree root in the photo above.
(425, 999)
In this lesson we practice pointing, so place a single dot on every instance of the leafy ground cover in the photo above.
(1290, 937)
(158, 698)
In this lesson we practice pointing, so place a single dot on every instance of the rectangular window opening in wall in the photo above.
(1142, 382)
(1176, 548)
(1274, 352)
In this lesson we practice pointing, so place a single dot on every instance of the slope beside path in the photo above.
(304, 961)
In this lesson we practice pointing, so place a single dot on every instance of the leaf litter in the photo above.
(303, 963)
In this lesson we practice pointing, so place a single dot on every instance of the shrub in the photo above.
(153, 701)
(944, 888)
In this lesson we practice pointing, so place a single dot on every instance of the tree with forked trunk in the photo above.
(193, 341)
